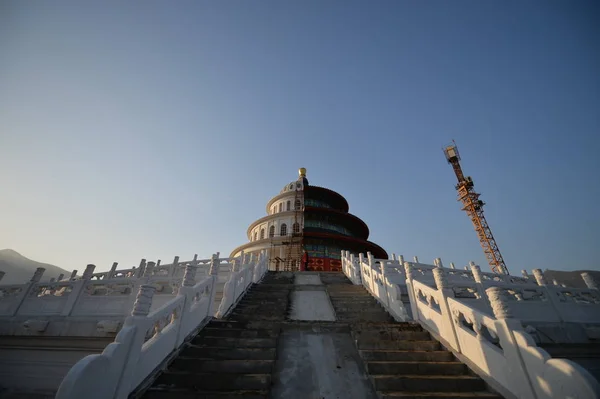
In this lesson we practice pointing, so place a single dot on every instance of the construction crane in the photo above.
(474, 208)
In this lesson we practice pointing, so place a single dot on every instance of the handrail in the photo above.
(148, 338)
(479, 318)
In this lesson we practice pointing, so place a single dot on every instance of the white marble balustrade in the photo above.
(149, 337)
(95, 303)
(484, 318)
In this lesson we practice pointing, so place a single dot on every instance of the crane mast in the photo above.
(474, 208)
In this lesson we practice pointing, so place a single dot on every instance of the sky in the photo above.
(149, 129)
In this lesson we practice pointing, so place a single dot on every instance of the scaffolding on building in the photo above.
(291, 242)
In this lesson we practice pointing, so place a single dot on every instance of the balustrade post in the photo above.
(589, 281)
(438, 262)
(143, 300)
(448, 333)
(37, 275)
(539, 277)
(73, 275)
(140, 271)
(113, 270)
(137, 320)
(149, 269)
(477, 275)
(173, 269)
(256, 275)
(554, 282)
(2, 275)
(189, 276)
(356, 270)
(506, 325)
(186, 289)
(408, 269)
(35, 278)
(416, 259)
(452, 266)
(60, 277)
(78, 288)
(214, 272)
(371, 259)
(214, 264)
(88, 272)
(524, 273)
(361, 263)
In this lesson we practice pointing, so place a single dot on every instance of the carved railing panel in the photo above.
(576, 305)
(428, 306)
(47, 298)
(10, 298)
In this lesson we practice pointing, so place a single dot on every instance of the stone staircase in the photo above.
(352, 303)
(231, 358)
(256, 350)
(403, 361)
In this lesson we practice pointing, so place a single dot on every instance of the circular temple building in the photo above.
(306, 228)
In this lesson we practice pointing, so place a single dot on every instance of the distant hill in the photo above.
(570, 279)
(19, 269)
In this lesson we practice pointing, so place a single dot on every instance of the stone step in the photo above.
(351, 299)
(345, 319)
(258, 302)
(406, 355)
(334, 278)
(200, 352)
(249, 307)
(273, 288)
(224, 342)
(429, 368)
(355, 313)
(349, 294)
(194, 365)
(237, 333)
(404, 326)
(357, 301)
(423, 383)
(266, 294)
(366, 343)
(386, 335)
(213, 381)
(439, 395)
(355, 316)
(176, 393)
(254, 317)
(345, 287)
(220, 323)
(359, 309)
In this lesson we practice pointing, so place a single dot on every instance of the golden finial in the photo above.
(302, 172)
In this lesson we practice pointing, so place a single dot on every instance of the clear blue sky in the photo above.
(153, 129)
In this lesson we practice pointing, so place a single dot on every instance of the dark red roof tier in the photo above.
(354, 222)
(369, 246)
(331, 197)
